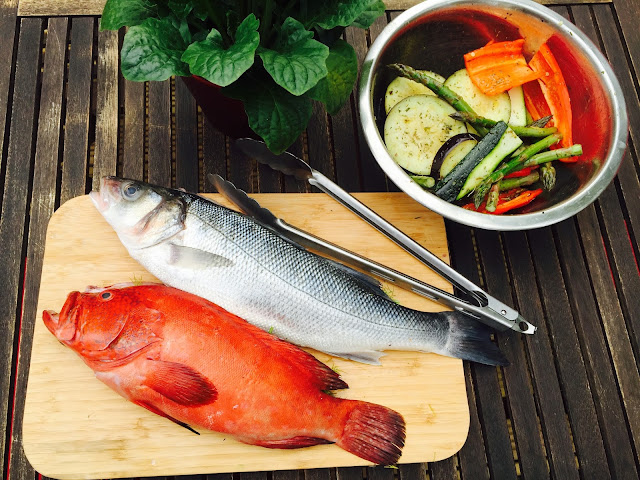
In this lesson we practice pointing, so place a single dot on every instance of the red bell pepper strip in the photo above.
(556, 94)
(520, 201)
(498, 67)
(522, 173)
(510, 200)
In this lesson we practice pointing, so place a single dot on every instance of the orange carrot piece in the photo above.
(499, 66)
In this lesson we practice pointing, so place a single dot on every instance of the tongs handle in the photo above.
(501, 314)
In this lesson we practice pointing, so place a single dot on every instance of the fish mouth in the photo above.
(108, 195)
(64, 324)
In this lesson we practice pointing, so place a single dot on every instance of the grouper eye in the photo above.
(106, 295)
(131, 191)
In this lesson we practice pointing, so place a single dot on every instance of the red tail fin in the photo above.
(375, 433)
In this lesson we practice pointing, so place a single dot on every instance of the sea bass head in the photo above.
(142, 215)
(106, 326)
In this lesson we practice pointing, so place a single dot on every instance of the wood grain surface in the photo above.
(76, 427)
(28, 8)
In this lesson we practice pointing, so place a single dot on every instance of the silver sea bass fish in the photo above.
(231, 259)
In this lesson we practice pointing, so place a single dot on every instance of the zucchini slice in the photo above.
(401, 88)
(518, 116)
(495, 107)
(507, 144)
(449, 187)
(415, 130)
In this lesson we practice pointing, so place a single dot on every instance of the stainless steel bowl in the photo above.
(435, 34)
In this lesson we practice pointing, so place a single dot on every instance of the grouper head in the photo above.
(141, 214)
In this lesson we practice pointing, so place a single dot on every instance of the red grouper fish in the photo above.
(187, 359)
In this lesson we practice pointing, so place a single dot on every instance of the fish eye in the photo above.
(106, 295)
(131, 191)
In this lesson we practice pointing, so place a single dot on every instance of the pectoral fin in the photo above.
(180, 383)
(196, 259)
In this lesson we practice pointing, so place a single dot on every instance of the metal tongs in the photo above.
(482, 306)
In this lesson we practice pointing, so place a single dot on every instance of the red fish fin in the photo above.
(157, 411)
(375, 433)
(180, 383)
(290, 443)
(320, 375)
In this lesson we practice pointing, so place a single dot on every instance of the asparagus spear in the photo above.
(541, 122)
(548, 176)
(509, 183)
(513, 165)
(494, 195)
(438, 88)
(552, 155)
(477, 120)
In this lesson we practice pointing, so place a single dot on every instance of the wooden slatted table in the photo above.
(569, 405)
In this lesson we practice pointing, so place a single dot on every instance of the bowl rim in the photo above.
(554, 214)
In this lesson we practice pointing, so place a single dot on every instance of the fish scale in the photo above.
(243, 266)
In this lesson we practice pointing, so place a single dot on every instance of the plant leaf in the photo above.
(335, 89)
(209, 59)
(152, 51)
(120, 13)
(181, 8)
(276, 115)
(368, 16)
(297, 61)
(343, 13)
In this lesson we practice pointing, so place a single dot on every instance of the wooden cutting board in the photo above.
(76, 427)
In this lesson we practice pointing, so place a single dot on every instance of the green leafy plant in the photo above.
(276, 56)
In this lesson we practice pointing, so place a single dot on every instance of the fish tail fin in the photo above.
(374, 432)
(471, 340)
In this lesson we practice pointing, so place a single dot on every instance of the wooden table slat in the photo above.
(186, 124)
(552, 413)
(612, 421)
(488, 393)
(473, 457)
(106, 143)
(8, 21)
(612, 318)
(570, 364)
(42, 205)
(76, 123)
(14, 207)
(160, 133)
(94, 7)
(134, 129)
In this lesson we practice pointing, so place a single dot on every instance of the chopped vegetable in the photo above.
(477, 120)
(513, 165)
(521, 200)
(423, 180)
(401, 88)
(548, 176)
(416, 128)
(557, 154)
(510, 183)
(507, 144)
(520, 173)
(449, 187)
(518, 116)
(494, 196)
(498, 67)
(495, 107)
(451, 152)
(554, 90)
